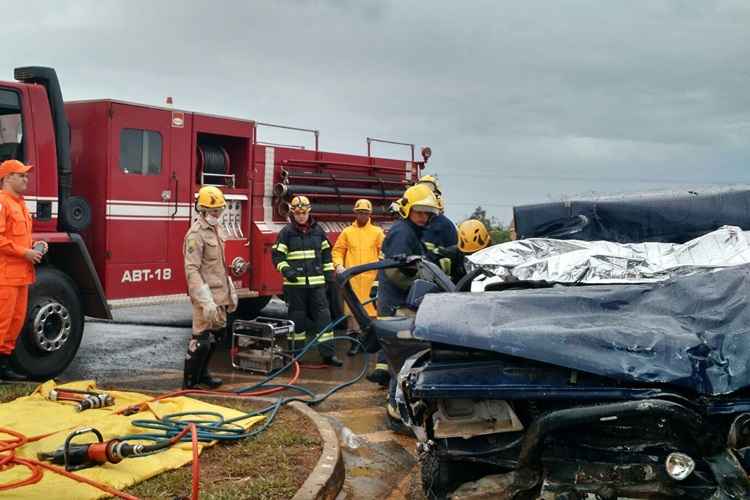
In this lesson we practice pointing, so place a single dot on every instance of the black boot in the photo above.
(197, 351)
(332, 361)
(7, 374)
(205, 377)
(380, 376)
(354, 349)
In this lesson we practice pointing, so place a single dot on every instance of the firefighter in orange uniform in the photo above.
(359, 244)
(211, 290)
(17, 259)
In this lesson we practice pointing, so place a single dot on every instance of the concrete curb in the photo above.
(327, 478)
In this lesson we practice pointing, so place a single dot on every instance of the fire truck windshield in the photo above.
(11, 126)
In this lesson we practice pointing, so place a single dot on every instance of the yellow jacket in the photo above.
(356, 246)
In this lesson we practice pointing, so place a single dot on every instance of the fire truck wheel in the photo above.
(250, 308)
(54, 326)
(76, 214)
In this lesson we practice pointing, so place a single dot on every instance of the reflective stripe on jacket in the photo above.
(308, 252)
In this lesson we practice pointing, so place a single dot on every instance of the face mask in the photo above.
(212, 220)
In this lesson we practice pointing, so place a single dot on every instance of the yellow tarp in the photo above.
(35, 415)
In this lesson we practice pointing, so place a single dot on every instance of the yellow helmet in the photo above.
(419, 198)
(211, 197)
(441, 205)
(363, 205)
(472, 236)
(300, 205)
(432, 182)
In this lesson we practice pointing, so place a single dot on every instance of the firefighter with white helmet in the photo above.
(359, 244)
(211, 291)
(302, 254)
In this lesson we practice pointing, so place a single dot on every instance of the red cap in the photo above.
(13, 167)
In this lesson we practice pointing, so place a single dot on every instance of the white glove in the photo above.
(340, 269)
(210, 312)
(234, 300)
(206, 300)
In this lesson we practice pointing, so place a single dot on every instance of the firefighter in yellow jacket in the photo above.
(211, 290)
(359, 244)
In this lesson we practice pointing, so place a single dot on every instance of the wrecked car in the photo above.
(542, 389)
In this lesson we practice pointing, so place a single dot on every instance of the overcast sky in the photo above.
(521, 101)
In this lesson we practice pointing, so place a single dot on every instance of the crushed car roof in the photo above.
(667, 216)
(690, 331)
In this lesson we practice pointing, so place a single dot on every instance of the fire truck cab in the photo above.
(113, 192)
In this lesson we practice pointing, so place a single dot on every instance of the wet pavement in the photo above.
(143, 349)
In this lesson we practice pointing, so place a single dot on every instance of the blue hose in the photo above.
(212, 426)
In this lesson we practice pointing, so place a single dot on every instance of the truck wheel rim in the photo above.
(52, 326)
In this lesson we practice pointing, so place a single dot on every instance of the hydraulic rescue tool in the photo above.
(85, 399)
(82, 456)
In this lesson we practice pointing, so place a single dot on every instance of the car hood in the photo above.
(690, 331)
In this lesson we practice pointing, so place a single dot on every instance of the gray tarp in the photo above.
(692, 331)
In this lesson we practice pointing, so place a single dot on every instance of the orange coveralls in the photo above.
(16, 272)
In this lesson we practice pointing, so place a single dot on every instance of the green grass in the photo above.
(9, 392)
(269, 467)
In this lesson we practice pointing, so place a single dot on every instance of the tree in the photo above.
(498, 232)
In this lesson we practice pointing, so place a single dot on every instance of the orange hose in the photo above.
(8, 460)
(85, 480)
(9, 446)
(36, 467)
(196, 463)
(204, 392)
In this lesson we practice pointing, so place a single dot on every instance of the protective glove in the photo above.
(233, 299)
(210, 312)
(340, 269)
(290, 274)
(395, 208)
(208, 306)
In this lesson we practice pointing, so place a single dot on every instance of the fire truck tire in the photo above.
(54, 326)
(250, 308)
(75, 214)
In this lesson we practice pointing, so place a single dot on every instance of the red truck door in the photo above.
(140, 203)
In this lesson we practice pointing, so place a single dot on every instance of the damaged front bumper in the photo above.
(609, 448)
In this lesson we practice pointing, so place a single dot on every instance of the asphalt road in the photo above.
(144, 348)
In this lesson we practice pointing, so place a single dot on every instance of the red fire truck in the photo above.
(113, 193)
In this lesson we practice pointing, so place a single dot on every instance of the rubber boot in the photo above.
(332, 361)
(380, 375)
(197, 351)
(354, 349)
(205, 377)
(6, 372)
